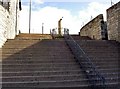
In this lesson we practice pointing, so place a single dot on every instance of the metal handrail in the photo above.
(94, 77)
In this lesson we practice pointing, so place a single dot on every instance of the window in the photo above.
(1, 2)
(5, 4)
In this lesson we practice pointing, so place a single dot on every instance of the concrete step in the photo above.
(42, 53)
(41, 56)
(42, 73)
(111, 75)
(42, 78)
(40, 65)
(104, 59)
(25, 57)
(35, 58)
(102, 46)
(111, 70)
(36, 50)
(47, 84)
(111, 54)
(19, 41)
(34, 36)
(107, 66)
(31, 46)
(13, 62)
(108, 56)
(115, 63)
(39, 69)
(99, 58)
(112, 80)
(77, 37)
(112, 85)
(54, 73)
(29, 58)
(98, 41)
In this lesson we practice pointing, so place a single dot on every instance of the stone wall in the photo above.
(9, 21)
(4, 24)
(113, 22)
(95, 29)
(14, 19)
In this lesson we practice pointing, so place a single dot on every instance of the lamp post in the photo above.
(29, 16)
(42, 28)
(59, 26)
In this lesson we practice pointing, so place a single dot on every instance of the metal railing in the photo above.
(94, 77)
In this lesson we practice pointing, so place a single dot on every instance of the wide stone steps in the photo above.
(31, 63)
(40, 64)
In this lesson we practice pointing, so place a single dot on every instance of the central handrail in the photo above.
(94, 77)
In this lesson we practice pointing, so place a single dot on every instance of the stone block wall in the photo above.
(9, 21)
(95, 29)
(113, 22)
(4, 24)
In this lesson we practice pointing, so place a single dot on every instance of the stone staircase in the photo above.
(105, 55)
(40, 64)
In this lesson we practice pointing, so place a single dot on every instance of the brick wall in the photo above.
(95, 29)
(113, 22)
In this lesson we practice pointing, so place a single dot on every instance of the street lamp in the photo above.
(29, 16)
(42, 28)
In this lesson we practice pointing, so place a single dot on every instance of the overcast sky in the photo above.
(75, 13)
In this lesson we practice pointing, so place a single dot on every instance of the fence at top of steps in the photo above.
(95, 78)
